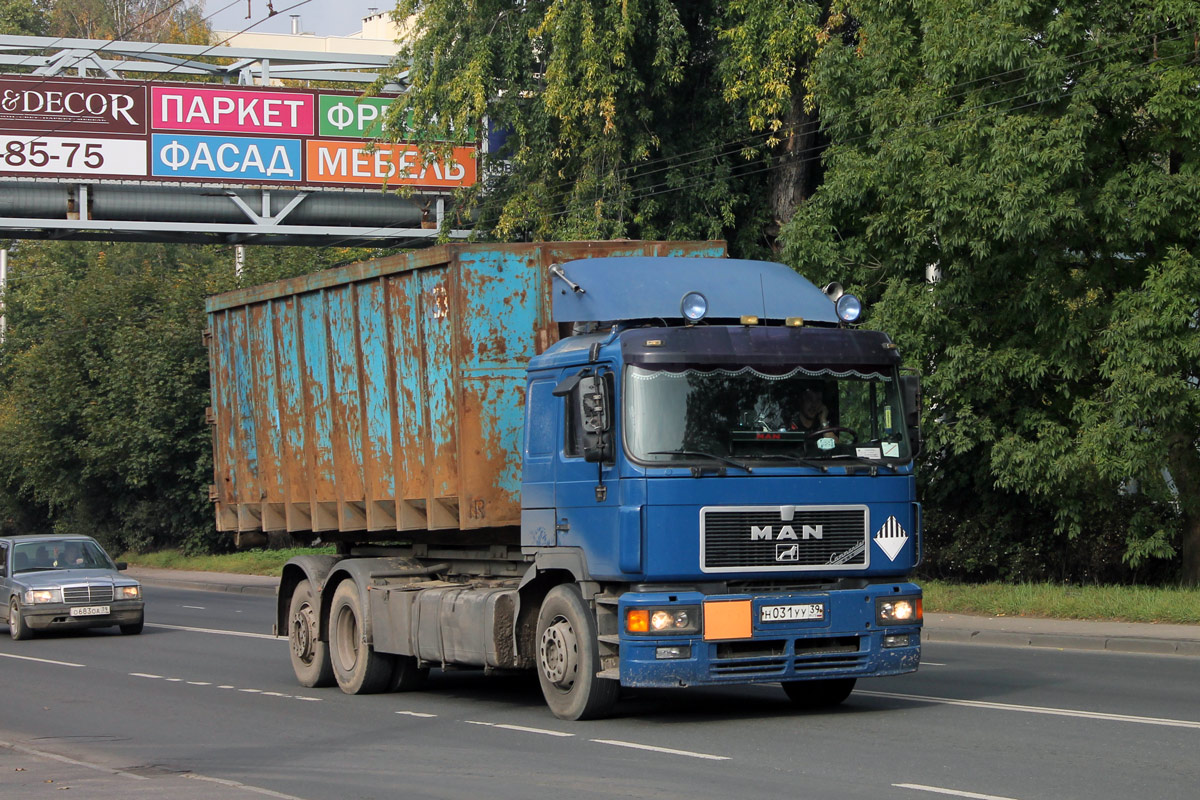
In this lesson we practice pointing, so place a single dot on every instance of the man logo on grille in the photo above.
(787, 552)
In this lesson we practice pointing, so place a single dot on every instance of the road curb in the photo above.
(203, 586)
(1058, 641)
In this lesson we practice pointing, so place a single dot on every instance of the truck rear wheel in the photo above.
(569, 658)
(356, 665)
(310, 656)
(819, 694)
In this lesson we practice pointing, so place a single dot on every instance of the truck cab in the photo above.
(726, 474)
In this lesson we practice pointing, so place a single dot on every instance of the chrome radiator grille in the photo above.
(781, 538)
(87, 595)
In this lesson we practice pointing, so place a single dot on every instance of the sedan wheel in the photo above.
(17, 628)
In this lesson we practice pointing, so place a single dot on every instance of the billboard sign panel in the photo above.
(211, 135)
(390, 164)
(81, 108)
(239, 158)
(231, 110)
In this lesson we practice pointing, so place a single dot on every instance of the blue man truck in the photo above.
(623, 463)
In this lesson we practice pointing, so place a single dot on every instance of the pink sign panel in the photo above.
(229, 110)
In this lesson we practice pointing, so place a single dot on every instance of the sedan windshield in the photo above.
(799, 415)
(47, 554)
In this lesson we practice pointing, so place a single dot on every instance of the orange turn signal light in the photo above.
(637, 620)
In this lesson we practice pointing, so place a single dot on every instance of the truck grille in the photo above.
(771, 659)
(87, 595)
(783, 538)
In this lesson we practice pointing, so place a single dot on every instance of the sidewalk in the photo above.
(28, 773)
(1122, 637)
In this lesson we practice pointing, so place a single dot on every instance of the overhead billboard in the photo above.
(219, 135)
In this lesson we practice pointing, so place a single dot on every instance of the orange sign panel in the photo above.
(727, 619)
(351, 162)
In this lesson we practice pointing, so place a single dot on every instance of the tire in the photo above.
(568, 658)
(406, 675)
(819, 694)
(134, 628)
(356, 665)
(17, 627)
(310, 656)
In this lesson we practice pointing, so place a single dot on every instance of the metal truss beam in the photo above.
(50, 56)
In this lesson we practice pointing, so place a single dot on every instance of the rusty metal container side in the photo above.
(385, 396)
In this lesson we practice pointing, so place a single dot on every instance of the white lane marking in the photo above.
(238, 785)
(173, 680)
(145, 675)
(42, 660)
(199, 683)
(521, 728)
(65, 760)
(251, 691)
(197, 608)
(668, 750)
(931, 664)
(190, 629)
(937, 790)
(1054, 712)
(416, 714)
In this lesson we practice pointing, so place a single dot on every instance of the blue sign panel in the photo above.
(228, 157)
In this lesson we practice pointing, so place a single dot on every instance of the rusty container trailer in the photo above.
(386, 396)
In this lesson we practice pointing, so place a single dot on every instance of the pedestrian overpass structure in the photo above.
(144, 141)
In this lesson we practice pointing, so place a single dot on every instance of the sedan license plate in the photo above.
(88, 611)
(792, 613)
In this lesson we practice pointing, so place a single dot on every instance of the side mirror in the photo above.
(595, 401)
(122, 566)
(910, 393)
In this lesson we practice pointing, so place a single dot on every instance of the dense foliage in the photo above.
(624, 118)
(1041, 164)
(1013, 187)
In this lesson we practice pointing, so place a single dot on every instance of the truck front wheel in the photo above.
(356, 665)
(569, 658)
(310, 656)
(819, 694)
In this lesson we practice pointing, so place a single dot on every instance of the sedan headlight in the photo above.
(43, 596)
(673, 619)
(129, 592)
(898, 610)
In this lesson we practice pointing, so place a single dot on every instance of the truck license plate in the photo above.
(88, 611)
(792, 613)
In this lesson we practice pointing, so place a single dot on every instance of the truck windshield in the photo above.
(802, 415)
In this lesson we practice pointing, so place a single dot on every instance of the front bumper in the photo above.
(846, 643)
(57, 616)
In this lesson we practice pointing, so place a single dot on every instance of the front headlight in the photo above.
(43, 596)
(898, 610)
(129, 592)
(673, 619)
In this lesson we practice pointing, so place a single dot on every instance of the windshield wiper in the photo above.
(808, 462)
(698, 454)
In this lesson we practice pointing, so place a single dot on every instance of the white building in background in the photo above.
(377, 37)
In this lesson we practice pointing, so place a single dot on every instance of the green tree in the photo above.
(1041, 163)
(103, 384)
(22, 17)
(642, 118)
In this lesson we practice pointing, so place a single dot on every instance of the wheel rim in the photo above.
(346, 634)
(558, 653)
(304, 630)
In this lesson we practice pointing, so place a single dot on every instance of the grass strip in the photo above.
(1117, 603)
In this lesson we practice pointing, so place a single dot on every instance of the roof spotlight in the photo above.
(694, 306)
(849, 308)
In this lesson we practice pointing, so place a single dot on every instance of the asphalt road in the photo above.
(205, 692)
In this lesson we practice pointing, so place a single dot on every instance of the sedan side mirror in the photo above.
(122, 566)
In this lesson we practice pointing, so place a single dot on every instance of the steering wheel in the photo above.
(832, 429)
